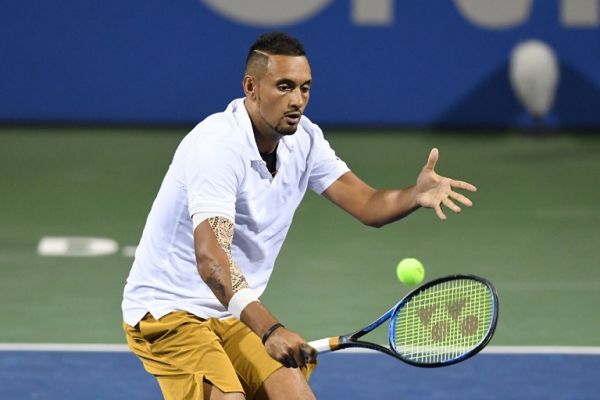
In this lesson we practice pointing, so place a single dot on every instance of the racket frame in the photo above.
(352, 339)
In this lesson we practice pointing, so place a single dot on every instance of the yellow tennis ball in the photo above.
(410, 271)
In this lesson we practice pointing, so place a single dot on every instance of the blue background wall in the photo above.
(156, 61)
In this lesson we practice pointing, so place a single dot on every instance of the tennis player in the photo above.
(191, 305)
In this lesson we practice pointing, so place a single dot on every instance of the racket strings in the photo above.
(443, 322)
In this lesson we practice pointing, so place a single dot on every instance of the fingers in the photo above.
(448, 203)
(440, 213)
(310, 354)
(463, 185)
(460, 198)
(290, 349)
(436, 191)
(289, 361)
(299, 357)
(451, 205)
(433, 158)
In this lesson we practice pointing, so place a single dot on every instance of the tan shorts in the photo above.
(183, 351)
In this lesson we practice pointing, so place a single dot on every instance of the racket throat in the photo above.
(344, 342)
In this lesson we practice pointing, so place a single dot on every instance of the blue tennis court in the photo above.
(542, 373)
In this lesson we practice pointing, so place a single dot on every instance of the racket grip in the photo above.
(325, 345)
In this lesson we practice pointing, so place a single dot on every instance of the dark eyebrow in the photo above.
(291, 82)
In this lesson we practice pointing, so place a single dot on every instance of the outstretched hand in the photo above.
(434, 190)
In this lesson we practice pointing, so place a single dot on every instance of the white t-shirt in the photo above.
(217, 169)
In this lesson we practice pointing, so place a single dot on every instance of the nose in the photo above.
(297, 98)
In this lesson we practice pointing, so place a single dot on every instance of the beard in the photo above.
(282, 127)
(285, 129)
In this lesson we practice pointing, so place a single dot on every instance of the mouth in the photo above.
(293, 118)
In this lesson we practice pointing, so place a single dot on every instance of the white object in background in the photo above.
(534, 74)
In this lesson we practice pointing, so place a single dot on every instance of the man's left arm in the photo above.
(380, 207)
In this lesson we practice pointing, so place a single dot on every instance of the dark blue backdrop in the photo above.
(159, 61)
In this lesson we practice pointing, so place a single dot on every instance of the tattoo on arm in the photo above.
(214, 283)
(223, 230)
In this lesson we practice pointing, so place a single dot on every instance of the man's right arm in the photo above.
(212, 242)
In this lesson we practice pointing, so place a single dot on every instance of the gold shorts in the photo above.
(183, 351)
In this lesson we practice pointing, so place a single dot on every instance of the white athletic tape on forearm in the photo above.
(240, 300)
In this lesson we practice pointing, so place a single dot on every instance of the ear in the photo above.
(249, 85)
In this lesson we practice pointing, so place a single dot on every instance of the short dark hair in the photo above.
(275, 43)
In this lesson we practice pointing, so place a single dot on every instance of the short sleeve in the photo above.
(213, 171)
(327, 167)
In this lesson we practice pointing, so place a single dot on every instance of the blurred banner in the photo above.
(412, 63)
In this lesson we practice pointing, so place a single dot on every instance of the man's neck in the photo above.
(266, 142)
(265, 146)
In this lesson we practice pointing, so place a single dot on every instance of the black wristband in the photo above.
(270, 331)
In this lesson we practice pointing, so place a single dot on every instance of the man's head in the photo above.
(276, 84)
(272, 43)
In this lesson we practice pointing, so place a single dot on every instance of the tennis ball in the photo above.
(410, 271)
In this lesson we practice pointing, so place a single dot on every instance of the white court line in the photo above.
(102, 348)
(122, 348)
(591, 350)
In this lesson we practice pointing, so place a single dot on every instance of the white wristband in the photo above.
(240, 300)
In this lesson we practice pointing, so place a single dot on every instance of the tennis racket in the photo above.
(442, 322)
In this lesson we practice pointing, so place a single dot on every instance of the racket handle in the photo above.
(325, 345)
